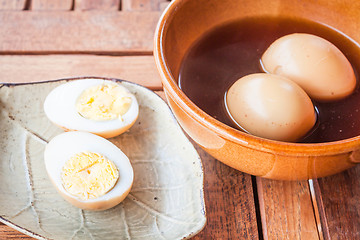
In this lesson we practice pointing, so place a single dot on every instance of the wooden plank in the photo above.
(339, 198)
(163, 5)
(143, 5)
(86, 5)
(161, 94)
(12, 4)
(45, 5)
(30, 68)
(229, 200)
(77, 31)
(286, 210)
(7, 232)
(137, 5)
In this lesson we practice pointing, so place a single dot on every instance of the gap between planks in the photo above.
(84, 5)
(338, 198)
(287, 210)
(319, 210)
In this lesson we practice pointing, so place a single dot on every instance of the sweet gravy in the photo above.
(231, 51)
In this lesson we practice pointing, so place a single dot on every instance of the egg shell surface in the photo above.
(60, 108)
(314, 63)
(62, 147)
(271, 107)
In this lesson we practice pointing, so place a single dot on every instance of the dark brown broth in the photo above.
(231, 51)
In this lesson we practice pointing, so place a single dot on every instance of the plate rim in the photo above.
(202, 200)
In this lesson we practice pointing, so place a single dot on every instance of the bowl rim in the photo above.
(221, 129)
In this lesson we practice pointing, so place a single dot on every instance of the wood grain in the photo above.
(339, 198)
(143, 5)
(12, 4)
(33, 68)
(286, 210)
(44, 5)
(229, 201)
(106, 5)
(228, 193)
(67, 42)
(163, 5)
(9, 233)
(77, 32)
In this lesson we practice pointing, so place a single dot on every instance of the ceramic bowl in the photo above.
(184, 21)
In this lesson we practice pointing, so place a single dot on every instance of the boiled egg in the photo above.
(314, 63)
(102, 107)
(270, 106)
(88, 171)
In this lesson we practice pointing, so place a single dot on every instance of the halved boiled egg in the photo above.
(88, 171)
(102, 107)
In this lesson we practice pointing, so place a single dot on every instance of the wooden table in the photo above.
(52, 39)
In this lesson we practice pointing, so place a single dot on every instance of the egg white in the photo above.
(60, 108)
(62, 147)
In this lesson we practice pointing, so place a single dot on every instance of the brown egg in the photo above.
(314, 63)
(270, 106)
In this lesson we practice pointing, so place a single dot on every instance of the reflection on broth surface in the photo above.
(231, 51)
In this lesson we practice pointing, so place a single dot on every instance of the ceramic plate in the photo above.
(166, 200)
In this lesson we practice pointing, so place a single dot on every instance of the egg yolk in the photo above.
(103, 102)
(89, 175)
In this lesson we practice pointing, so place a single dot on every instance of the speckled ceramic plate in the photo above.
(166, 201)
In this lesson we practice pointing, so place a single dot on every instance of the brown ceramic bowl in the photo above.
(184, 21)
